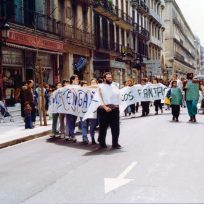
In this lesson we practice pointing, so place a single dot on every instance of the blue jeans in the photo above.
(84, 128)
(71, 120)
(92, 123)
(28, 121)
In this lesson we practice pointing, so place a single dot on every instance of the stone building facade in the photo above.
(180, 49)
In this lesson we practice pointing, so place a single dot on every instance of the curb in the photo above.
(24, 139)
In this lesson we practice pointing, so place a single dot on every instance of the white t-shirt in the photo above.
(110, 94)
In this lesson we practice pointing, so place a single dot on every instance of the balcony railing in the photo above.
(106, 8)
(155, 41)
(44, 23)
(87, 2)
(141, 31)
(77, 35)
(156, 17)
(140, 5)
(110, 46)
(182, 59)
(183, 46)
(39, 22)
(124, 16)
(179, 57)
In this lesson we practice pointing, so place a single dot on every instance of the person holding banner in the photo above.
(145, 104)
(55, 116)
(62, 116)
(92, 122)
(109, 112)
(131, 108)
(83, 123)
(157, 103)
(71, 119)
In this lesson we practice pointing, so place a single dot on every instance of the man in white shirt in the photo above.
(109, 112)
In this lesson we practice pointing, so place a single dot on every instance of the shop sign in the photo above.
(117, 64)
(153, 67)
(80, 64)
(34, 41)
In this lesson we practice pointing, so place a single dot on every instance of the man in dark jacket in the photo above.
(29, 97)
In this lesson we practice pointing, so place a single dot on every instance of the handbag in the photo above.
(167, 101)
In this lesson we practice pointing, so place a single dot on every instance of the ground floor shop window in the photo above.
(12, 81)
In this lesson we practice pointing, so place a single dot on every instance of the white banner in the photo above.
(84, 101)
(72, 100)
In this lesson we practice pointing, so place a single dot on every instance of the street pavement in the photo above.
(161, 162)
(14, 132)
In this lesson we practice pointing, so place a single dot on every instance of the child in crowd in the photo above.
(27, 115)
(175, 96)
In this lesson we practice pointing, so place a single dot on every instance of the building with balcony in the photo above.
(201, 60)
(78, 37)
(198, 55)
(113, 26)
(58, 32)
(180, 49)
(34, 34)
(140, 37)
(155, 63)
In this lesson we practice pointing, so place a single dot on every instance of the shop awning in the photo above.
(32, 49)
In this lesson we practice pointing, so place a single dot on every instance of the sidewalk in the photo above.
(12, 133)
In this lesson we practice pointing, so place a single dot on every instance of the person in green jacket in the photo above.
(192, 97)
(175, 96)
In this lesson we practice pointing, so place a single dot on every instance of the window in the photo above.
(68, 12)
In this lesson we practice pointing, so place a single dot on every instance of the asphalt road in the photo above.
(162, 160)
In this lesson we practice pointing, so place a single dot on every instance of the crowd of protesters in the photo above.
(107, 114)
(30, 100)
(184, 92)
(179, 92)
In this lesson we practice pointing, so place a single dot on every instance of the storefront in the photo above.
(19, 60)
(12, 64)
(117, 68)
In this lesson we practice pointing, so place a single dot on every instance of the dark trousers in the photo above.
(145, 107)
(55, 117)
(132, 107)
(33, 113)
(137, 107)
(28, 121)
(175, 110)
(109, 119)
(158, 105)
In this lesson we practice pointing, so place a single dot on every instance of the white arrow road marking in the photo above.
(113, 183)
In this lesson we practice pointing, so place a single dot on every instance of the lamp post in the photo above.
(138, 65)
(150, 76)
(4, 34)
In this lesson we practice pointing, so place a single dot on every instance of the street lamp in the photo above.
(5, 28)
(150, 75)
(4, 34)
(138, 65)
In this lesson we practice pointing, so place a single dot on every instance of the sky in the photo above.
(193, 11)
